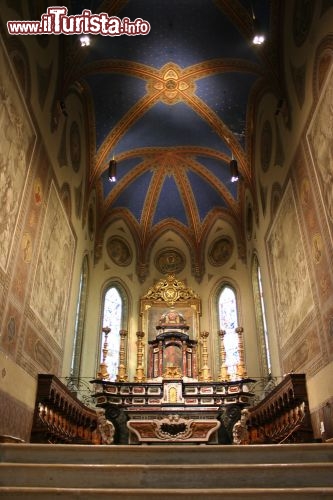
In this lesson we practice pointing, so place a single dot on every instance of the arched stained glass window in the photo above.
(227, 304)
(112, 317)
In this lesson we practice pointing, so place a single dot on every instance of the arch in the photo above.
(114, 315)
(227, 307)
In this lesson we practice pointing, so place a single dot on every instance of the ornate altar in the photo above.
(172, 354)
(172, 397)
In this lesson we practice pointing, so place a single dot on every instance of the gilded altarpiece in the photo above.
(173, 397)
(170, 293)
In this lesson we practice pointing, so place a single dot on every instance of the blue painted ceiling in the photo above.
(172, 107)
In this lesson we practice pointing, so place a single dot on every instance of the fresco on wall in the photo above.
(50, 291)
(290, 275)
(75, 146)
(17, 140)
(320, 139)
(170, 261)
(119, 251)
(220, 251)
(266, 146)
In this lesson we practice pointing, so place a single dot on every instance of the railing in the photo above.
(283, 415)
(60, 417)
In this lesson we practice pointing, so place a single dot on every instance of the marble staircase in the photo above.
(290, 471)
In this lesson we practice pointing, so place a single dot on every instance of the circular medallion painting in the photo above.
(170, 261)
(220, 251)
(119, 251)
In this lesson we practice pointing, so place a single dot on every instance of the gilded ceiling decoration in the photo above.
(172, 108)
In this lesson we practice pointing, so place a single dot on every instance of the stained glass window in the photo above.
(112, 318)
(228, 323)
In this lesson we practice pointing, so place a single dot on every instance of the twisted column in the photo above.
(205, 375)
(223, 375)
(122, 375)
(140, 375)
(103, 367)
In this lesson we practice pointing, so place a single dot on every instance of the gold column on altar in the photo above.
(122, 375)
(103, 367)
(241, 371)
(204, 375)
(223, 375)
(140, 375)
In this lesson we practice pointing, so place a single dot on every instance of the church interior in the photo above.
(166, 222)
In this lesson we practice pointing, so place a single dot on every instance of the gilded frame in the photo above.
(170, 293)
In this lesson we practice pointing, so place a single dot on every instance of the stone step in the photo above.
(27, 493)
(287, 475)
(166, 454)
(271, 472)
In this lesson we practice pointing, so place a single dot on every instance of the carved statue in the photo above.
(239, 431)
(106, 428)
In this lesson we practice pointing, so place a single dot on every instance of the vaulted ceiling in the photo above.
(173, 107)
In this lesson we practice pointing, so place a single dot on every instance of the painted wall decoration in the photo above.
(320, 139)
(302, 19)
(303, 354)
(17, 140)
(38, 350)
(170, 261)
(91, 222)
(75, 146)
(266, 143)
(10, 334)
(51, 287)
(16, 417)
(276, 196)
(220, 251)
(290, 275)
(119, 251)
(249, 221)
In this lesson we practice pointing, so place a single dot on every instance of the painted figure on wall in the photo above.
(290, 276)
(16, 141)
(320, 137)
(53, 273)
